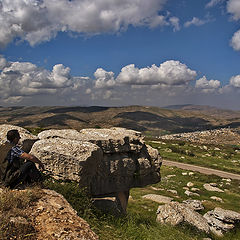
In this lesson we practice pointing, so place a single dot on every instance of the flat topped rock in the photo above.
(211, 188)
(62, 133)
(69, 159)
(158, 198)
(107, 134)
(175, 213)
(26, 141)
(221, 220)
(110, 140)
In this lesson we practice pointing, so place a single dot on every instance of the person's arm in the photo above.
(32, 158)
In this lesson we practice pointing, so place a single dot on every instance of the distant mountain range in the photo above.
(149, 120)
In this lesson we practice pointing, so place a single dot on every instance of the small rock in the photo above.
(188, 193)
(156, 189)
(158, 198)
(191, 173)
(184, 174)
(173, 191)
(170, 176)
(190, 184)
(218, 199)
(210, 188)
(195, 189)
(227, 179)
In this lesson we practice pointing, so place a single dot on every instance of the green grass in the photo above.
(140, 221)
(227, 158)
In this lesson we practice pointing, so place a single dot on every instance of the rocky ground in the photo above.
(217, 136)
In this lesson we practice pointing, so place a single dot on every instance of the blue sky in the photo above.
(120, 52)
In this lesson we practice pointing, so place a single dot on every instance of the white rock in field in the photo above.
(175, 213)
(218, 199)
(210, 188)
(158, 198)
(191, 194)
(190, 184)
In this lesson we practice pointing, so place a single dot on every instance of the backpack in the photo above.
(8, 173)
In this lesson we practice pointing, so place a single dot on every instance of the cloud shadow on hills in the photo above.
(57, 120)
(77, 109)
(172, 124)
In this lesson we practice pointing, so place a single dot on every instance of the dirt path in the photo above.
(203, 170)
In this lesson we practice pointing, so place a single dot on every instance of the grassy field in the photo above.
(223, 157)
(140, 221)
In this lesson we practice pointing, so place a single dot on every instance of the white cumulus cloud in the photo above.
(104, 79)
(235, 41)
(169, 73)
(235, 81)
(233, 7)
(40, 20)
(19, 79)
(207, 86)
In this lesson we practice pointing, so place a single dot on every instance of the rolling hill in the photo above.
(149, 120)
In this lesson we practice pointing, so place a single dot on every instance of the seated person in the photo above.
(17, 166)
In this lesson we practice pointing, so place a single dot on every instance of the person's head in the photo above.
(13, 136)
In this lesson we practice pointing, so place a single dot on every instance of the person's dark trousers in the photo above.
(29, 174)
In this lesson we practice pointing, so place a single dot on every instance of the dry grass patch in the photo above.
(14, 221)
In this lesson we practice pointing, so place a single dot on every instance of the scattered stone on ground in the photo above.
(210, 188)
(191, 173)
(191, 194)
(194, 204)
(218, 199)
(221, 220)
(170, 176)
(190, 184)
(175, 213)
(172, 191)
(158, 198)
(216, 136)
(184, 173)
(195, 189)
(157, 189)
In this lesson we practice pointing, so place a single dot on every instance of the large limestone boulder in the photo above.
(26, 141)
(69, 159)
(62, 133)
(110, 140)
(126, 161)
